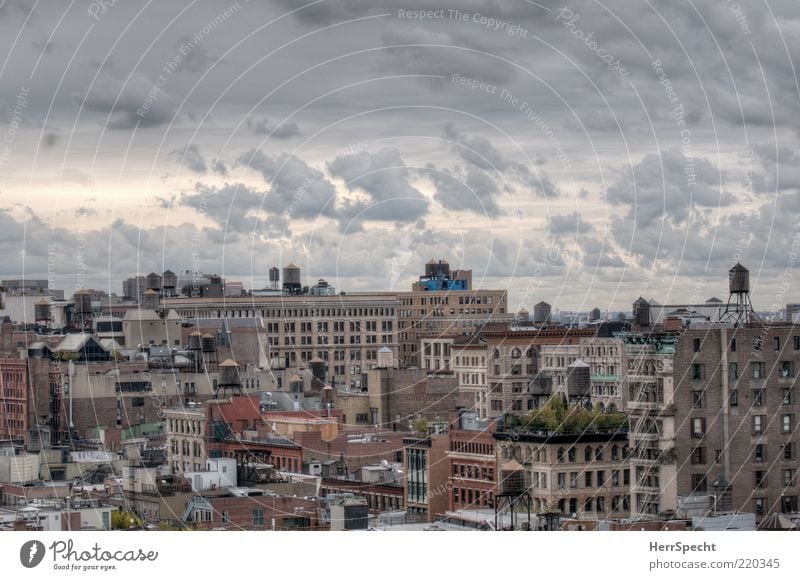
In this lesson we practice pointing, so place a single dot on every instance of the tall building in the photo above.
(714, 418)
(134, 287)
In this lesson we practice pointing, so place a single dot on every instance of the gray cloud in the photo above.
(136, 102)
(296, 189)
(261, 126)
(471, 190)
(661, 186)
(384, 177)
(568, 224)
(190, 158)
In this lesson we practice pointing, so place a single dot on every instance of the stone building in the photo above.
(580, 475)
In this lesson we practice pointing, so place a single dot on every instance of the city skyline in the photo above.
(566, 154)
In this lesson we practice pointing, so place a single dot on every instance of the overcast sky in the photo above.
(583, 153)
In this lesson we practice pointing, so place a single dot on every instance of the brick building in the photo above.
(14, 399)
(714, 414)
(473, 469)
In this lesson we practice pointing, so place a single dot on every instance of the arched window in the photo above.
(531, 353)
(598, 454)
(516, 353)
(573, 505)
(561, 455)
(572, 454)
(614, 453)
(587, 454)
(497, 353)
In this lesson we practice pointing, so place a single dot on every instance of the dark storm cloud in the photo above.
(190, 158)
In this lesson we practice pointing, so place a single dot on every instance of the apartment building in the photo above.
(714, 415)
(580, 475)
(186, 439)
(345, 331)
(514, 382)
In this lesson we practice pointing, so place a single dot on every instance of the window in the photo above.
(698, 482)
(786, 423)
(789, 504)
(560, 455)
(587, 454)
(699, 456)
(598, 454)
(776, 342)
(733, 345)
(697, 399)
(137, 401)
(572, 455)
(733, 371)
(697, 372)
(698, 427)
(758, 424)
(258, 517)
(734, 396)
(588, 479)
(758, 504)
(226, 517)
(758, 369)
(601, 503)
(760, 478)
(758, 454)
(562, 480)
(573, 480)
(696, 345)
(787, 396)
(601, 478)
(788, 451)
(787, 369)
(797, 342)
(614, 453)
(759, 398)
(788, 477)
(587, 505)
(758, 343)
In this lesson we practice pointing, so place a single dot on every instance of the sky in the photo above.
(583, 153)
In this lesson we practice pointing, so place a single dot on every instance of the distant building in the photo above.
(234, 288)
(186, 439)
